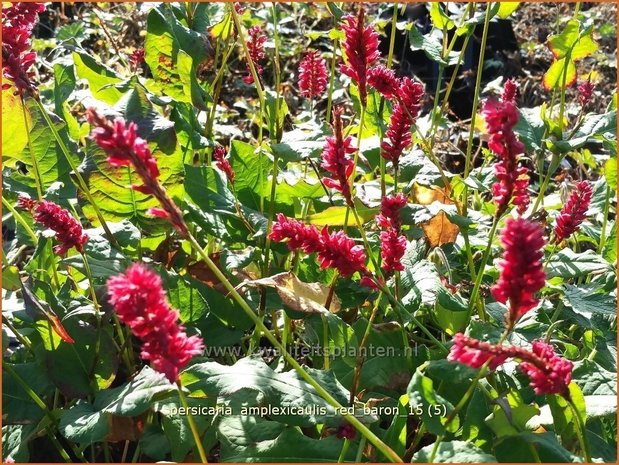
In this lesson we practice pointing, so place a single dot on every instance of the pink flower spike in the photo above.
(69, 232)
(392, 249)
(521, 269)
(361, 47)
(390, 207)
(549, 373)
(298, 235)
(140, 302)
(474, 353)
(384, 81)
(312, 75)
(340, 252)
(255, 47)
(18, 20)
(221, 162)
(573, 212)
(336, 159)
(585, 92)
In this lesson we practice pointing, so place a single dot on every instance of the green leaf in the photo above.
(589, 303)
(610, 248)
(452, 452)
(250, 382)
(101, 79)
(610, 172)
(569, 264)
(451, 311)
(184, 295)
(429, 406)
(84, 425)
(253, 439)
(17, 405)
(173, 53)
(51, 163)
(450, 372)
(252, 171)
(506, 9)
(396, 433)
(431, 46)
(420, 283)
(335, 216)
(593, 379)
(276, 111)
(439, 19)
(595, 127)
(15, 442)
(518, 448)
(10, 278)
(136, 396)
(530, 128)
(572, 42)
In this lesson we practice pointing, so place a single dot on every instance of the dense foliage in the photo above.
(248, 233)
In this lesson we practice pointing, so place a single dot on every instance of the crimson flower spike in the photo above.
(573, 212)
(392, 243)
(521, 271)
(69, 232)
(336, 159)
(312, 75)
(17, 23)
(361, 47)
(512, 180)
(124, 148)
(138, 298)
(548, 372)
(255, 47)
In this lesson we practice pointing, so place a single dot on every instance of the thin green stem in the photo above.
(192, 423)
(482, 267)
(604, 221)
(345, 448)
(23, 339)
(581, 432)
(20, 219)
(33, 157)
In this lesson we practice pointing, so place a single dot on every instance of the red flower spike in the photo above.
(18, 20)
(340, 252)
(390, 207)
(573, 212)
(336, 159)
(521, 269)
(512, 181)
(140, 302)
(25, 203)
(124, 148)
(69, 232)
(312, 75)
(255, 47)
(221, 162)
(361, 47)
(549, 373)
(403, 117)
(136, 58)
(298, 235)
(392, 249)
(474, 353)
(585, 92)
(384, 81)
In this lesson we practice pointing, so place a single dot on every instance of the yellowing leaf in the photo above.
(554, 76)
(572, 42)
(14, 136)
(439, 230)
(507, 8)
(439, 19)
(300, 296)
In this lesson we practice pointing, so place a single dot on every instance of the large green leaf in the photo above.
(452, 452)
(569, 264)
(253, 439)
(430, 406)
(173, 53)
(251, 383)
(51, 162)
(17, 405)
(101, 79)
(572, 41)
(588, 302)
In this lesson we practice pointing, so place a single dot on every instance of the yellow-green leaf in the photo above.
(554, 77)
(507, 8)
(439, 19)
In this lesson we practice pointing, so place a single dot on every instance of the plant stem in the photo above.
(345, 448)
(364, 430)
(604, 221)
(192, 424)
(482, 267)
(480, 68)
(80, 180)
(33, 158)
(581, 432)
